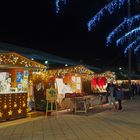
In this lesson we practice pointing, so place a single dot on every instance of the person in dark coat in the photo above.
(119, 97)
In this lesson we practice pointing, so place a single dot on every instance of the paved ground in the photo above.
(99, 124)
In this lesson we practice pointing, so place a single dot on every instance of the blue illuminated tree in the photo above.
(127, 23)
(57, 4)
(137, 48)
(131, 34)
(108, 9)
(133, 45)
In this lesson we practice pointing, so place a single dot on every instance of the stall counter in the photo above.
(13, 105)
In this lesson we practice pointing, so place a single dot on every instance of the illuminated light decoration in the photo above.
(10, 112)
(133, 33)
(136, 49)
(15, 105)
(83, 71)
(57, 2)
(24, 105)
(5, 106)
(19, 111)
(109, 8)
(127, 23)
(132, 45)
(12, 58)
(1, 114)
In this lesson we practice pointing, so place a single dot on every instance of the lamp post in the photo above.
(129, 52)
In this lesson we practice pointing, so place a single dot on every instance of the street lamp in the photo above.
(120, 68)
(129, 52)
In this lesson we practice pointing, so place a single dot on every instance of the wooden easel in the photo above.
(51, 99)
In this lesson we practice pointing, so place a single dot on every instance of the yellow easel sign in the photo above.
(51, 94)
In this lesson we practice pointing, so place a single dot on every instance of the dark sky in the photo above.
(66, 34)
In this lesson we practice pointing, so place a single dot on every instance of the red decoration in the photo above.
(98, 81)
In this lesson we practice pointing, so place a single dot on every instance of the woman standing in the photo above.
(111, 89)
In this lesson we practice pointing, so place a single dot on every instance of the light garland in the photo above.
(132, 45)
(76, 69)
(137, 48)
(16, 59)
(19, 111)
(107, 74)
(13, 107)
(57, 2)
(109, 9)
(83, 71)
(133, 33)
(10, 112)
(127, 23)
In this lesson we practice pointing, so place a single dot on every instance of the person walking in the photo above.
(119, 97)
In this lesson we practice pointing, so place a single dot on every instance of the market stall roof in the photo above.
(15, 60)
(79, 69)
(41, 56)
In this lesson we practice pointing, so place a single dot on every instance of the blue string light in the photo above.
(136, 49)
(133, 33)
(132, 45)
(109, 8)
(57, 2)
(127, 23)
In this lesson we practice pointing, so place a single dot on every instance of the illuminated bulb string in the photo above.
(57, 3)
(132, 45)
(137, 48)
(127, 23)
(109, 8)
(133, 33)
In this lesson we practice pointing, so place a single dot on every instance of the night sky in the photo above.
(65, 34)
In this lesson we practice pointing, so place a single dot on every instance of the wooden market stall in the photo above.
(15, 78)
(69, 81)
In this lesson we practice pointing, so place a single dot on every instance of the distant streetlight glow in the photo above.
(120, 68)
(32, 58)
(66, 65)
(46, 62)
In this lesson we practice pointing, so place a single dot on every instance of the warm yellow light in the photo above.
(1, 114)
(10, 112)
(5, 106)
(15, 105)
(24, 105)
(19, 111)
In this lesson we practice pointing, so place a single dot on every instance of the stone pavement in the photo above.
(99, 124)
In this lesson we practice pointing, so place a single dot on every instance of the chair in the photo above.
(51, 97)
